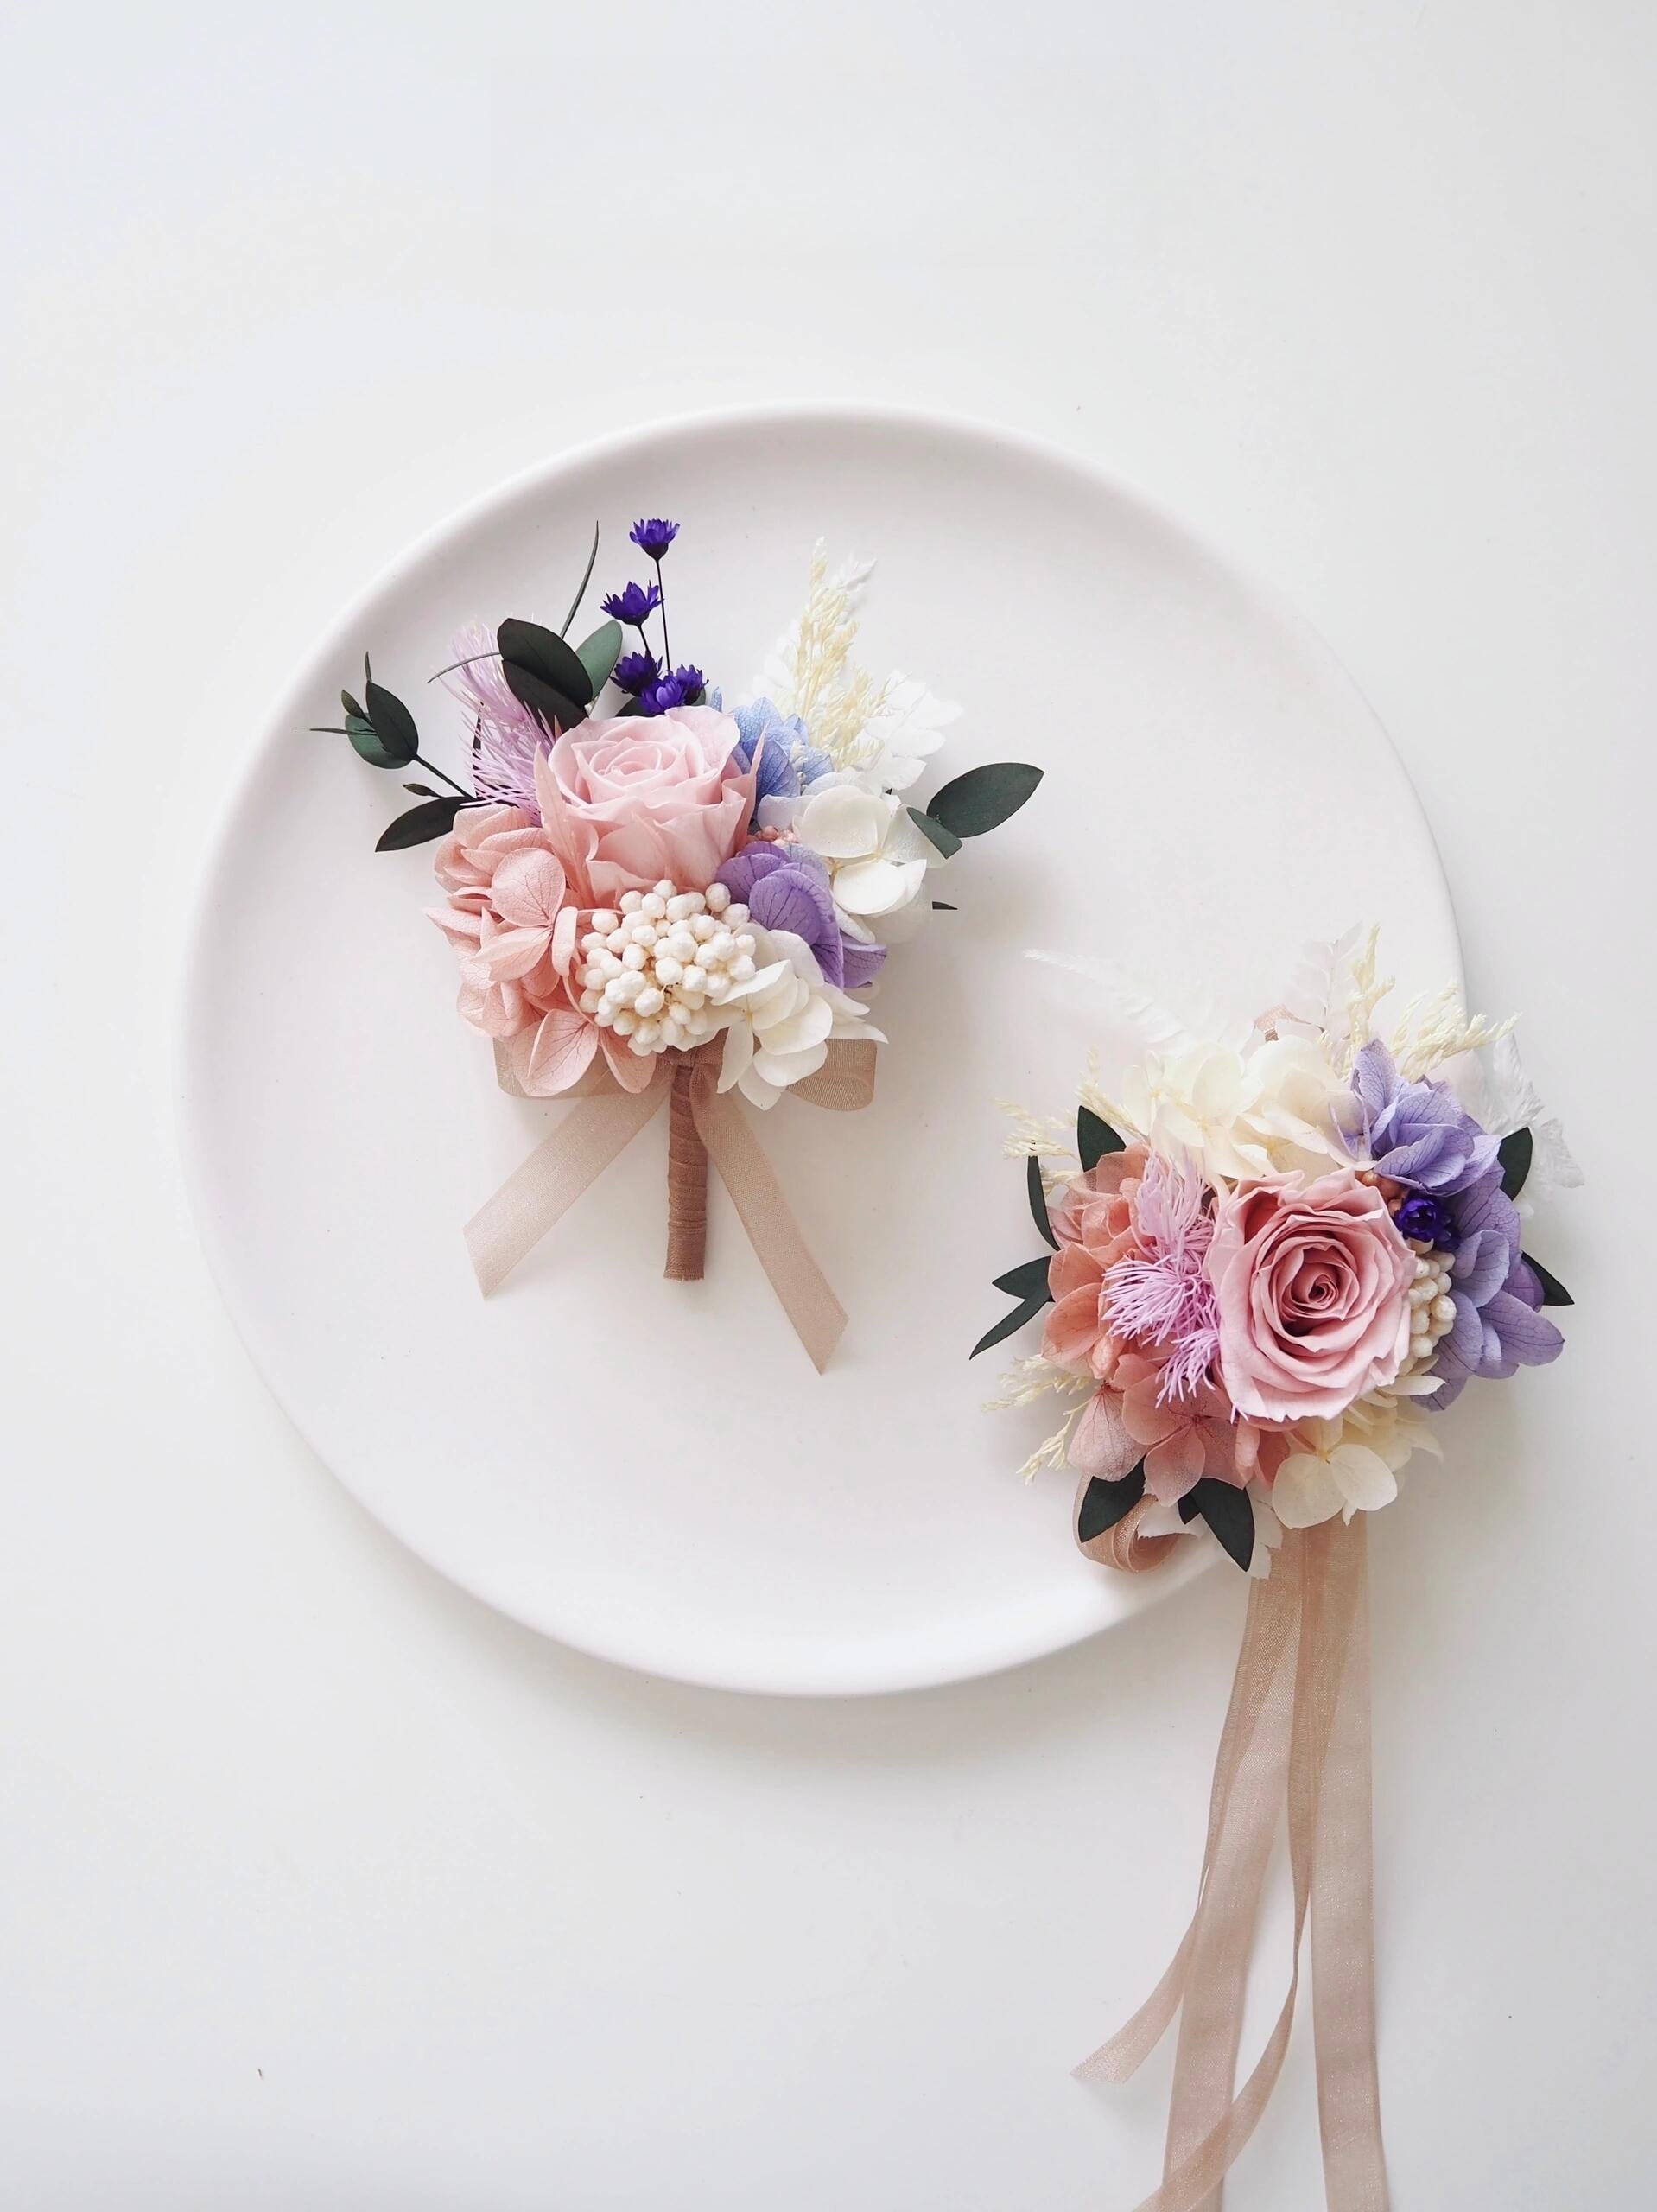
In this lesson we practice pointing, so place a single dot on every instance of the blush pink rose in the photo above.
(627, 803)
(1312, 1281)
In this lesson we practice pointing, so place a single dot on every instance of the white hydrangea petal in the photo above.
(844, 824)
(813, 1023)
(1366, 1483)
(739, 1052)
(784, 1069)
(877, 886)
(758, 1091)
(904, 842)
(1303, 1493)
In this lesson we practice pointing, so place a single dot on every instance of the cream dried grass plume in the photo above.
(812, 674)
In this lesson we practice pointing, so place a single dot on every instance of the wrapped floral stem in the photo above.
(686, 1179)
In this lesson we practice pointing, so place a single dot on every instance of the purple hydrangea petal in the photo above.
(862, 962)
(1524, 1336)
(1482, 1263)
(1524, 1283)
(743, 870)
(1462, 1348)
(788, 899)
(1374, 1078)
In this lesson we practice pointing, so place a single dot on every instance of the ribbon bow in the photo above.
(706, 1124)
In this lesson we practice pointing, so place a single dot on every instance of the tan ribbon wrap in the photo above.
(705, 1125)
(1297, 1730)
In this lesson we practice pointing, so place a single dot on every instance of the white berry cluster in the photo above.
(1432, 1312)
(657, 972)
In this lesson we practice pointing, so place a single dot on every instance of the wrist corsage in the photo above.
(652, 895)
(1273, 1258)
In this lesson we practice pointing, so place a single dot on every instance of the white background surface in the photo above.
(318, 1884)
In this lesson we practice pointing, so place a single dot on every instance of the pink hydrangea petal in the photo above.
(560, 1054)
(1172, 1467)
(1099, 1444)
(1072, 1328)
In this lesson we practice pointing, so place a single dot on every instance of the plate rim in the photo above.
(522, 485)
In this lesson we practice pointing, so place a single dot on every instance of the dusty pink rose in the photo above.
(629, 802)
(1312, 1280)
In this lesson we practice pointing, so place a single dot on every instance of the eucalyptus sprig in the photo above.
(383, 733)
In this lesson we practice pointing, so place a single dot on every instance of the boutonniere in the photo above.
(657, 894)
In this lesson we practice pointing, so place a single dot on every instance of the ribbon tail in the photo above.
(818, 1317)
(507, 1227)
(1344, 1914)
(1299, 1717)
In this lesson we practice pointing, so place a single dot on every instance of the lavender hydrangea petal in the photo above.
(862, 962)
(788, 899)
(1524, 1283)
(1524, 1336)
(1463, 1348)
(1373, 1079)
(1482, 1263)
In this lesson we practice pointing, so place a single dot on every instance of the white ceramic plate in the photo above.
(651, 1470)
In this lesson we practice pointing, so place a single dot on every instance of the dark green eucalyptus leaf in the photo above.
(540, 653)
(556, 709)
(935, 833)
(1228, 1511)
(984, 797)
(1554, 1291)
(942, 906)
(1515, 1154)
(1007, 1324)
(433, 817)
(423, 791)
(1095, 1137)
(351, 706)
(1028, 1281)
(393, 725)
(1038, 1195)
(372, 747)
(1104, 1503)
(599, 654)
(632, 707)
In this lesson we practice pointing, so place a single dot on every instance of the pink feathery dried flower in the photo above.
(509, 734)
(1165, 1297)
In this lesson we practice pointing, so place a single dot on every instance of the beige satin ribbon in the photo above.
(1298, 1728)
(603, 1121)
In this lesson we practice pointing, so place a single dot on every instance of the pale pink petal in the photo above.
(563, 1047)
(632, 1071)
(511, 953)
(1099, 1444)
(1172, 1467)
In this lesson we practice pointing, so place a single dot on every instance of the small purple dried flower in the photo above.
(636, 673)
(1427, 1220)
(660, 698)
(635, 606)
(654, 537)
(690, 679)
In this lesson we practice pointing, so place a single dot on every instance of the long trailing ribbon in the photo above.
(707, 1125)
(1297, 1729)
